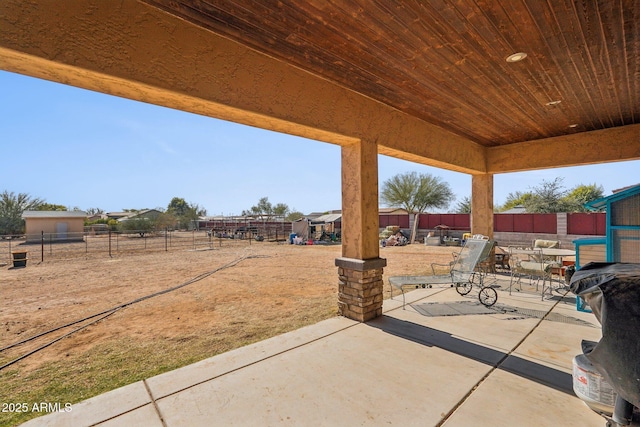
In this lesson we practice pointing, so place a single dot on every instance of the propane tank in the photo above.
(591, 387)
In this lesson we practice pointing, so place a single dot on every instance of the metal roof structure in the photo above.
(54, 214)
(600, 204)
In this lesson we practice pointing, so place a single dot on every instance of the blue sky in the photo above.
(84, 149)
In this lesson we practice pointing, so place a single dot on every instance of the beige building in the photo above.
(56, 225)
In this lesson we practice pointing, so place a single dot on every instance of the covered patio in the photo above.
(482, 89)
(423, 366)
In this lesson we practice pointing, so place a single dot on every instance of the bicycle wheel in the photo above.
(487, 296)
(464, 288)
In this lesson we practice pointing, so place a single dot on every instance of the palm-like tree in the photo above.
(416, 192)
(464, 205)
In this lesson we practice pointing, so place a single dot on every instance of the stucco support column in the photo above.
(482, 204)
(360, 267)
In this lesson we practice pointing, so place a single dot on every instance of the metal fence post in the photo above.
(110, 244)
(42, 246)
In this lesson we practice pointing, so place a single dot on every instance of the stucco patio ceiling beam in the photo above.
(585, 148)
(135, 51)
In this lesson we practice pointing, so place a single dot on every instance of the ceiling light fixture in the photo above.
(516, 57)
(551, 103)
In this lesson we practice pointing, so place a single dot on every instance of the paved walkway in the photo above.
(445, 360)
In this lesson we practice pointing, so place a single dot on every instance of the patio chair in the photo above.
(462, 273)
(555, 261)
(529, 263)
(502, 259)
(538, 243)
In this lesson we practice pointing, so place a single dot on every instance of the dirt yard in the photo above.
(244, 294)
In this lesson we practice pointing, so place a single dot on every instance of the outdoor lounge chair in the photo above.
(486, 263)
(462, 273)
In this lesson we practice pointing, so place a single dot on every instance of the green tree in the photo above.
(94, 211)
(11, 208)
(581, 194)
(265, 210)
(184, 213)
(551, 197)
(166, 220)
(281, 210)
(97, 221)
(141, 226)
(464, 205)
(548, 197)
(178, 207)
(51, 207)
(198, 210)
(294, 216)
(515, 199)
(192, 214)
(416, 192)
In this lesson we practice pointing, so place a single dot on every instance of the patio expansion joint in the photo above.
(155, 404)
(230, 371)
(496, 367)
(119, 414)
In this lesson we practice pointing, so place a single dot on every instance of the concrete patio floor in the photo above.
(445, 360)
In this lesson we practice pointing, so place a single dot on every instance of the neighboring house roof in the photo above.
(314, 215)
(516, 209)
(117, 215)
(54, 214)
(620, 194)
(328, 218)
(96, 217)
(624, 188)
(147, 213)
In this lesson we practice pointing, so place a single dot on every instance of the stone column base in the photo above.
(360, 288)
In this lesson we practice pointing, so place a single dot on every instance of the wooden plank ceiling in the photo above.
(444, 61)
